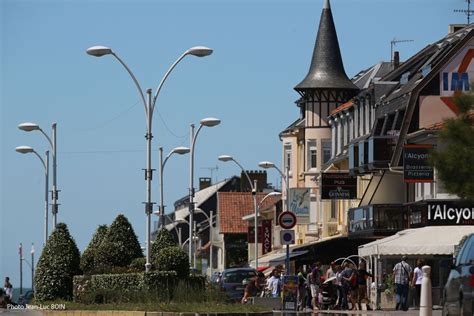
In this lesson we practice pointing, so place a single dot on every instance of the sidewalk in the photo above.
(413, 312)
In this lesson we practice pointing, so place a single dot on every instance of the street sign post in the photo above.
(287, 237)
(287, 220)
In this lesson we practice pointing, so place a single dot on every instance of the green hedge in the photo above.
(125, 287)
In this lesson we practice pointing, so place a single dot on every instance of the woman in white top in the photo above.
(417, 280)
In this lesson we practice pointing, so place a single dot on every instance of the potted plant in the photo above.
(387, 296)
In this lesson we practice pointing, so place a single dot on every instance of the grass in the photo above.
(166, 307)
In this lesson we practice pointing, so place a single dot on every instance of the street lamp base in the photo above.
(147, 267)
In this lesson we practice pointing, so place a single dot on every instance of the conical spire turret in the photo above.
(326, 70)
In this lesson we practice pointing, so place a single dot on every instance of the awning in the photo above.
(429, 240)
(275, 259)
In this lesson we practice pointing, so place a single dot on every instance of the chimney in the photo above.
(396, 59)
(259, 175)
(455, 27)
(204, 183)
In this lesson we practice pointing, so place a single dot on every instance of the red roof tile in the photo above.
(234, 205)
(342, 107)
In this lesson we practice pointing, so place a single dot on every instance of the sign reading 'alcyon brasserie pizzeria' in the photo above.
(416, 167)
(338, 186)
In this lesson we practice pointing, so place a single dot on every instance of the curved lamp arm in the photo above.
(158, 89)
(246, 174)
(134, 80)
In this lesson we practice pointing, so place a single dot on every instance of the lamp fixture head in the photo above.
(24, 149)
(210, 121)
(225, 158)
(181, 150)
(28, 126)
(199, 51)
(266, 164)
(99, 51)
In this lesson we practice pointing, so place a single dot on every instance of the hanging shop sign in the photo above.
(266, 236)
(440, 213)
(299, 201)
(338, 186)
(416, 167)
(450, 213)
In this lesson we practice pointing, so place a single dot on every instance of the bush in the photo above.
(164, 239)
(58, 264)
(129, 287)
(138, 265)
(120, 245)
(173, 259)
(88, 258)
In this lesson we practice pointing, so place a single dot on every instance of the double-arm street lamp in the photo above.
(253, 186)
(29, 127)
(149, 104)
(179, 151)
(45, 162)
(208, 122)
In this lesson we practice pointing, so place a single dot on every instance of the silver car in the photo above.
(458, 295)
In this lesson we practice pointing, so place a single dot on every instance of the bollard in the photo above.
(426, 305)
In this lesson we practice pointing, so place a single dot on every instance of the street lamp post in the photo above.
(28, 127)
(208, 122)
(179, 151)
(253, 186)
(267, 165)
(210, 221)
(45, 162)
(149, 104)
(32, 266)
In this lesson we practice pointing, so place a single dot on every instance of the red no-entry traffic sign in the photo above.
(287, 220)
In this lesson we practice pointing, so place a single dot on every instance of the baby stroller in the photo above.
(329, 294)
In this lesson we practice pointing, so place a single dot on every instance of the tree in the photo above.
(173, 259)
(88, 257)
(58, 264)
(120, 245)
(454, 157)
(163, 240)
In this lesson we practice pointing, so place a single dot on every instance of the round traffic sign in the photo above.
(287, 220)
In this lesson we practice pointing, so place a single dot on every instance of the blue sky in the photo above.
(262, 49)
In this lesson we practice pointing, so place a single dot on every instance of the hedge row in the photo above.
(131, 286)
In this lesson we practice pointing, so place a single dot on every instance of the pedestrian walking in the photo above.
(251, 289)
(402, 274)
(8, 288)
(362, 276)
(417, 280)
(315, 282)
(274, 284)
(346, 277)
(301, 288)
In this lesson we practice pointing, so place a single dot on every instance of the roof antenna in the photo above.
(468, 12)
(393, 43)
(212, 169)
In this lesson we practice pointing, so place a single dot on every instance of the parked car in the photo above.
(232, 281)
(458, 294)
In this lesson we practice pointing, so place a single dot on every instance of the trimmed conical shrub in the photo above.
(88, 258)
(173, 259)
(120, 245)
(163, 240)
(58, 264)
